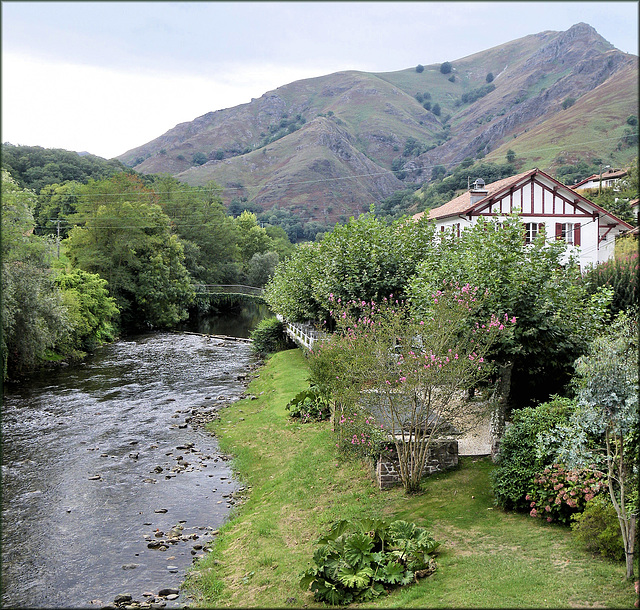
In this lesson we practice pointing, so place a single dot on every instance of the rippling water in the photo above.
(121, 415)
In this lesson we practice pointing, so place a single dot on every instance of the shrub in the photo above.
(621, 274)
(310, 405)
(598, 530)
(446, 67)
(360, 560)
(519, 460)
(558, 493)
(269, 336)
(419, 68)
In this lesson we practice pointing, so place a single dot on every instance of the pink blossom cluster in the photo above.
(557, 492)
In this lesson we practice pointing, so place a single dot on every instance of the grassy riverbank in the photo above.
(298, 487)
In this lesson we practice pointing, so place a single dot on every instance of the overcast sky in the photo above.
(105, 77)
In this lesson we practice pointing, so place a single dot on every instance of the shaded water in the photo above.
(71, 539)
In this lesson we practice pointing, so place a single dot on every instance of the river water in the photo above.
(100, 458)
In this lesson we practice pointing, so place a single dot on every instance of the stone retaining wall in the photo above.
(443, 455)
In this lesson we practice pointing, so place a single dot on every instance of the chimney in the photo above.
(478, 191)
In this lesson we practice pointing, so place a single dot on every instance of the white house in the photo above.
(542, 202)
(609, 179)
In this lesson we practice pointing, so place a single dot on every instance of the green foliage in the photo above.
(199, 158)
(489, 77)
(311, 404)
(446, 67)
(34, 167)
(621, 275)
(90, 309)
(568, 102)
(128, 242)
(359, 435)
(359, 560)
(476, 94)
(419, 68)
(261, 267)
(269, 336)
(518, 460)
(34, 320)
(511, 156)
(598, 530)
(557, 493)
(436, 109)
(208, 235)
(364, 259)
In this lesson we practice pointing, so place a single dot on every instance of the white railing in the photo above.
(304, 335)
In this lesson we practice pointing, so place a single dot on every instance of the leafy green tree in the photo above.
(34, 320)
(208, 235)
(363, 259)
(446, 67)
(199, 158)
(533, 283)
(419, 68)
(511, 156)
(261, 268)
(436, 109)
(91, 311)
(490, 77)
(127, 241)
(56, 204)
(253, 239)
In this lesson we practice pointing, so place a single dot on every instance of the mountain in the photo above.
(331, 146)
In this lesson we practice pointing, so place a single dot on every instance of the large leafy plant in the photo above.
(362, 559)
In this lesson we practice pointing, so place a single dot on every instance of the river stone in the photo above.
(95, 477)
(161, 510)
(122, 597)
(168, 591)
(130, 566)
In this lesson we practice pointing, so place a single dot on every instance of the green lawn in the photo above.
(298, 487)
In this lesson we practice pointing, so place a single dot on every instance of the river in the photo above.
(103, 459)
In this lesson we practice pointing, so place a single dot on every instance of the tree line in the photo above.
(83, 263)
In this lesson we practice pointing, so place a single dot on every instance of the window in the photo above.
(531, 230)
(568, 232)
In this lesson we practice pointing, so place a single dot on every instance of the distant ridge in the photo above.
(329, 147)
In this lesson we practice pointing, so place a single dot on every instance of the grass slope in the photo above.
(488, 558)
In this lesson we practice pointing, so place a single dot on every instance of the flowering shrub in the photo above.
(558, 493)
(411, 371)
(359, 435)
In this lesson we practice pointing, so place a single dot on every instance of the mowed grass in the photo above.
(298, 487)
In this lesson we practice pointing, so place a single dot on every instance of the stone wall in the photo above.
(443, 455)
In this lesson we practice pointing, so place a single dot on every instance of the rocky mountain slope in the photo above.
(331, 146)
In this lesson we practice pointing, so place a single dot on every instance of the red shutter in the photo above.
(558, 230)
(576, 234)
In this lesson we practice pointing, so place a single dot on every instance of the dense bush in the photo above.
(597, 528)
(621, 274)
(269, 336)
(310, 405)
(518, 460)
(558, 493)
(360, 560)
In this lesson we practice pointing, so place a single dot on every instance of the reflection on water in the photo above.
(238, 323)
(91, 452)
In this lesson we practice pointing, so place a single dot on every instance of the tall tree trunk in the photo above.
(500, 399)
